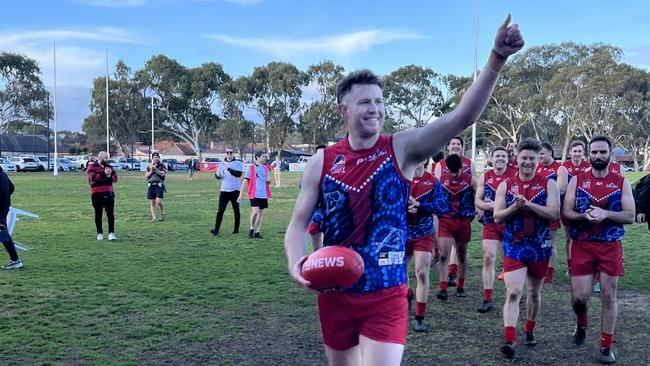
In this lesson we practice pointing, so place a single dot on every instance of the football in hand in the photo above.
(332, 268)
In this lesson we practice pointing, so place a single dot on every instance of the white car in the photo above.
(128, 162)
(26, 164)
(7, 165)
(116, 166)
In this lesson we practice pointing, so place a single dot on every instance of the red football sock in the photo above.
(453, 269)
(443, 285)
(549, 272)
(606, 340)
(420, 308)
(488, 294)
(461, 282)
(529, 326)
(583, 320)
(509, 334)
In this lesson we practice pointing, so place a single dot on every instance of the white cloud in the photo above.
(114, 3)
(337, 45)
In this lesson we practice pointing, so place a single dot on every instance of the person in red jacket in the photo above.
(101, 177)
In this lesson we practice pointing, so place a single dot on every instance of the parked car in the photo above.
(209, 164)
(7, 165)
(67, 165)
(129, 163)
(26, 164)
(116, 166)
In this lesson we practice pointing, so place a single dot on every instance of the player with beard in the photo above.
(525, 203)
(363, 184)
(426, 199)
(454, 146)
(598, 203)
(549, 168)
(456, 223)
(511, 148)
(492, 232)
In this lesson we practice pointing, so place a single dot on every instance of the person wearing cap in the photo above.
(156, 186)
(229, 172)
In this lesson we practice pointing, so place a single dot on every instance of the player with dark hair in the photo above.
(155, 175)
(597, 205)
(511, 148)
(525, 203)
(456, 224)
(362, 183)
(550, 168)
(101, 177)
(257, 184)
(576, 164)
(426, 199)
(492, 232)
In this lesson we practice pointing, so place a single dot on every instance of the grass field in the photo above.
(169, 293)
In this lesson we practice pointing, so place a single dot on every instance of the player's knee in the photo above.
(514, 295)
(488, 258)
(422, 273)
(608, 300)
(579, 306)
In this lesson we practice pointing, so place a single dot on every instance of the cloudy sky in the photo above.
(242, 34)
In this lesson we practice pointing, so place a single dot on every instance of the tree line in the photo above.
(556, 93)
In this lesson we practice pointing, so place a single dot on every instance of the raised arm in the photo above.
(415, 145)
(294, 240)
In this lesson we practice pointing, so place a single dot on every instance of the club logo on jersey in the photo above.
(428, 183)
(339, 165)
(490, 180)
(515, 188)
(537, 187)
(599, 183)
(612, 185)
(586, 184)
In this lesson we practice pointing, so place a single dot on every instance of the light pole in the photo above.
(474, 80)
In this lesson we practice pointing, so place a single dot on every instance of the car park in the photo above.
(67, 164)
(209, 164)
(173, 164)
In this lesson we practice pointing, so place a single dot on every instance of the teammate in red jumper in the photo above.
(492, 232)
(550, 168)
(511, 148)
(597, 205)
(454, 146)
(525, 203)
(456, 224)
(363, 184)
(101, 177)
(427, 198)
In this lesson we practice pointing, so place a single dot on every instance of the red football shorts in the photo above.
(493, 231)
(379, 315)
(313, 228)
(535, 269)
(554, 225)
(421, 244)
(589, 257)
(458, 229)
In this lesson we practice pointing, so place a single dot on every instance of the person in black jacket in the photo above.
(642, 200)
(6, 189)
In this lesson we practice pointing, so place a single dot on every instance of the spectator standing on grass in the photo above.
(6, 189)
(276, 165)
(155, 175)
(230, 170)
(190, 168)
(257, 184)
(642, 200)
(101, 177)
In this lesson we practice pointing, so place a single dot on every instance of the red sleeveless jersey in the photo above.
(460, 195)
(466, 168)
(605, 193)
(491, 183)
(574, 170)
(364, 198)
(548, 171)
(615, 168)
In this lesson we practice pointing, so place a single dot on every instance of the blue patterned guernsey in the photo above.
(605, 193)
(491, 183)
(364, 197)
(428, 191)
(526, 236)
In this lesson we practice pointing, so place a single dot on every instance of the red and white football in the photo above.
(332, 267)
